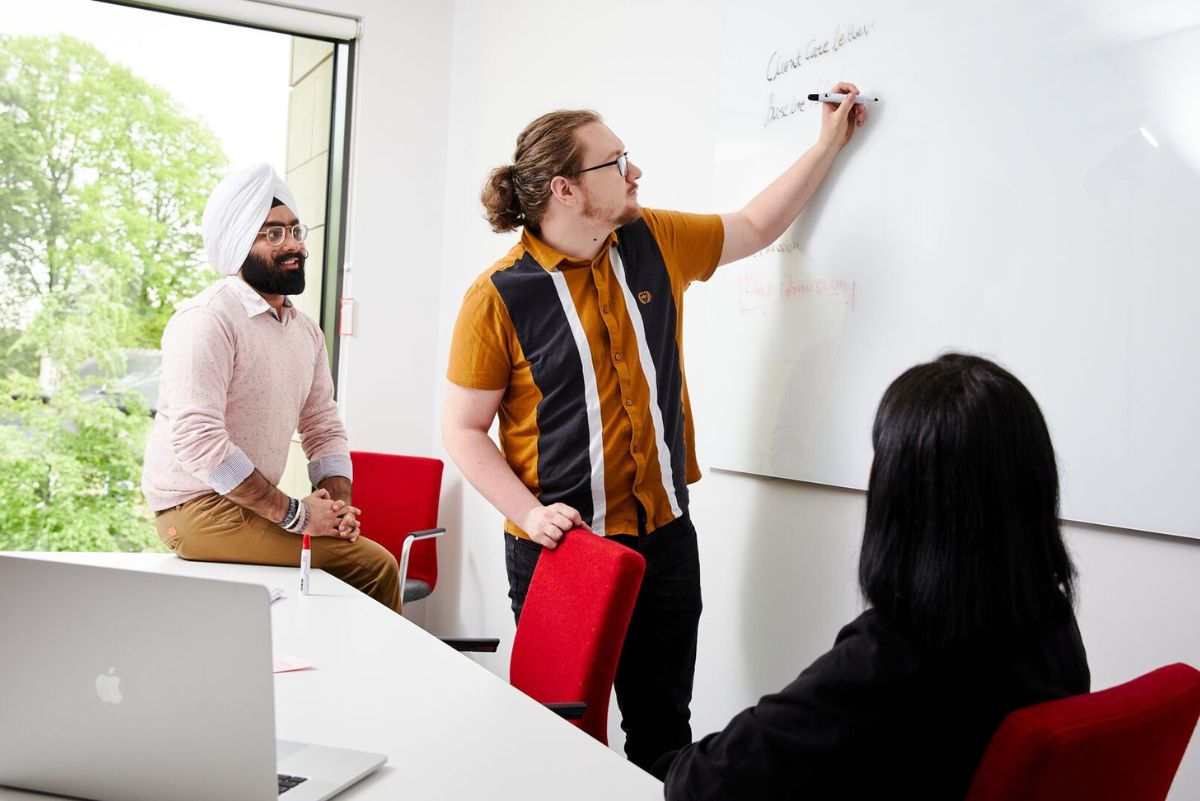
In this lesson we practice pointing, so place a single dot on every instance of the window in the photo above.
(115, 124)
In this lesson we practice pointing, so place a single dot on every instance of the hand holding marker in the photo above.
(834, 97)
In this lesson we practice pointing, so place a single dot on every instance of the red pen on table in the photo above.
(305, 560)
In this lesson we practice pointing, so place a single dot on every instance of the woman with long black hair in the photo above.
(970, 595)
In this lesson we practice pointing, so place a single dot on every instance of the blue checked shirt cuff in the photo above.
(231, 472)
(335, 464)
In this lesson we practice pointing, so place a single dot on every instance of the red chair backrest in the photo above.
(573, 624)
(1123, 743)
(399, 495)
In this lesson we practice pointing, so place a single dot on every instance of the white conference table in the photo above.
(450, 728)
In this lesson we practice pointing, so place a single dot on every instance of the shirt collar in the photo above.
(253, 303)
(550, 259)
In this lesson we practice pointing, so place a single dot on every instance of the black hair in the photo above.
(277, 202)
(962, 545)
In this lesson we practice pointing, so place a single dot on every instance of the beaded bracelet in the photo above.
(298, 525)
(290, 517)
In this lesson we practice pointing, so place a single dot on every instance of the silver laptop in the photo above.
(130, 686)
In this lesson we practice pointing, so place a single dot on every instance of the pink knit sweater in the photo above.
(236, 383)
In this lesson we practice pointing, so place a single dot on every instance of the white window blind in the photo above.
(301, 22)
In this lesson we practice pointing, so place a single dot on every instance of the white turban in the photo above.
(235, 214)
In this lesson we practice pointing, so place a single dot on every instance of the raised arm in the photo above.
(764, 219)
(467, 414)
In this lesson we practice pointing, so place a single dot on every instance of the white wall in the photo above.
(443, 91)
(394, 251)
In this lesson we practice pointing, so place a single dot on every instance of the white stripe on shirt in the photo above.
(635, 315)
(592, 397)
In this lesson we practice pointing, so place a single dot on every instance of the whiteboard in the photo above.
(1027, 190)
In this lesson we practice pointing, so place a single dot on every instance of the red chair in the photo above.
(1122, 743)
(573, 624)
(399, 497)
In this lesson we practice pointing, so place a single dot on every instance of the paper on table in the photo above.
(282, 663)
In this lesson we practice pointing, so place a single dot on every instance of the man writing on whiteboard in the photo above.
(574, 339)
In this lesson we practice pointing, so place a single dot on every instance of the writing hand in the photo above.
(838, 122)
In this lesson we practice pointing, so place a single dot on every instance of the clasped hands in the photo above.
(328, 517)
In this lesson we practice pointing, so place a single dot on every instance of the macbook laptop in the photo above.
(131, 686)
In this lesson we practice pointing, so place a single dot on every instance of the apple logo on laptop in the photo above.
(108, 687)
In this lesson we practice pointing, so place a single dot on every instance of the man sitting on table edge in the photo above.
(242, 369)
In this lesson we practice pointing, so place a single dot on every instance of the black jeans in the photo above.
(658, 660)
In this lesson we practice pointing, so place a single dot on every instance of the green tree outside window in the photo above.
(103, 180)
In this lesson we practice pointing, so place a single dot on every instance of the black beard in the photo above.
(270, 279)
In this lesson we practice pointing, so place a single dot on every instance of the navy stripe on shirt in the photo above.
(564, 468)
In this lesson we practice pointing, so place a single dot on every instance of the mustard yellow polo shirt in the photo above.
(595, 412)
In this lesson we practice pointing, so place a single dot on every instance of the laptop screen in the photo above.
(120, 684)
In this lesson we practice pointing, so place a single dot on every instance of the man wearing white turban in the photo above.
(242, 370)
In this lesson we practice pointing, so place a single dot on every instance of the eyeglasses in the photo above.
(622, 162)
(277, 233)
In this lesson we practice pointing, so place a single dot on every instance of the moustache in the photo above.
(299, 255)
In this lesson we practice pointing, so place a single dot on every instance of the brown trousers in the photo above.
(212, 528)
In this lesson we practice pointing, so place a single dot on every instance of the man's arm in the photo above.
(466, 417)
(326, 514)
(323, 438)
(260, 496)
(338, 487)
(764, 219)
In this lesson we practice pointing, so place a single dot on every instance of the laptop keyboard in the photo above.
(287, 782)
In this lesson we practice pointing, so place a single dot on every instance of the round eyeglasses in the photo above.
(276, 234)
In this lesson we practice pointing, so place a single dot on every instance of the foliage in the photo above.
(72, 470)
(103, 180)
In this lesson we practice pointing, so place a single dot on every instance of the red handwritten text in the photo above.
(757, 292)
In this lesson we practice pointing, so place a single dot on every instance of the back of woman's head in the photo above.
(517, 194)
(962, 543)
